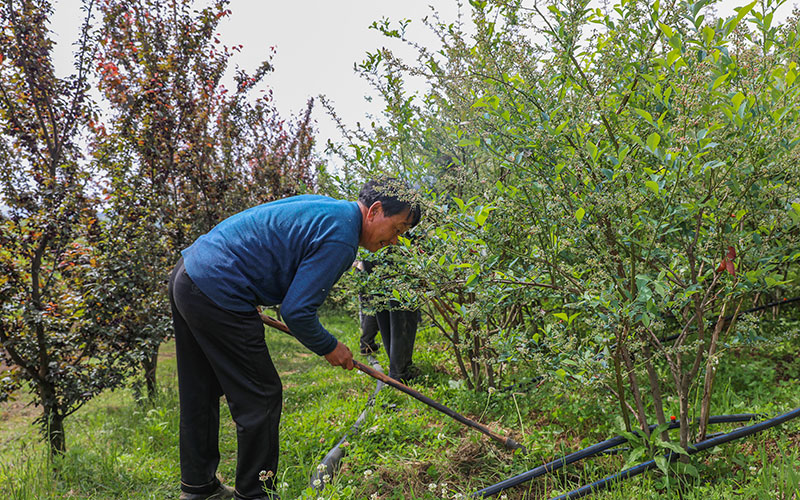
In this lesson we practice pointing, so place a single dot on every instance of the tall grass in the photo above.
(119, 447)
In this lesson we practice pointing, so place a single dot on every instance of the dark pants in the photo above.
(369, 330)
(398, 331)
(223, 352)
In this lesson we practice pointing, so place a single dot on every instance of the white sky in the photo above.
(317, 43)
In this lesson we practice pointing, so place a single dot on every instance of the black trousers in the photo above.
(223, 352)
(398, 332)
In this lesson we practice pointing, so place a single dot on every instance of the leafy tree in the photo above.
(49, 229)
(182, 152)
(629, 172)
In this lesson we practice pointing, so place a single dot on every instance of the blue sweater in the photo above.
(287, 252)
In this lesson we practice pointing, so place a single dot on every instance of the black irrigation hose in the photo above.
(588, 452)
(617, 451)
(330, 463)
(703, 445)
(765, 306)
(536, 380)
(753, 309)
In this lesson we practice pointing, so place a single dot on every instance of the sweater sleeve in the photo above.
(315, 276)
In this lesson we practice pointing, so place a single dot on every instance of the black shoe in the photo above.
(271, 495)
(412, 373)
(221, 493)
(370, 349)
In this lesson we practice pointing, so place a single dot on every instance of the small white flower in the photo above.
(283, 485)
(432, 486)
(374, 496)
(367, 472)
(503, 497)
(321, 467)
(326, 478)
(317, 483)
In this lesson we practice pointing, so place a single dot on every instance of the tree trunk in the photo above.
(52, 422)
(621, 388)
(655, 390)
(149, 365)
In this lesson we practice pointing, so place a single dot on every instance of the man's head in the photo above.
(386, 213)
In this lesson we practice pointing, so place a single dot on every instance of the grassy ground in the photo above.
(121, 449)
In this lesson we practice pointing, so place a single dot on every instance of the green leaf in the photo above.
(796, 207)
(653, 140)
(592, 150)
(661, 462)
(672, 446)
(742, 11)
(654, 436)
(480, 103)
(737, 99)
(708, 34)
(644, 114)
(579, 214)
(673, 55)
(623, 153)
(634, 457)
(666, 29)
(561, 373)
(652, 186)
(720, 80)
(471, 278)
(791, 76)
(689, 469)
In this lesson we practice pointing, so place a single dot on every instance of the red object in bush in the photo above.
(727, 262)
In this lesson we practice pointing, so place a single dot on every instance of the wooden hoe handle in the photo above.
(505, 441)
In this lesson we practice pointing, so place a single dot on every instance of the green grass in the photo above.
(119, 448)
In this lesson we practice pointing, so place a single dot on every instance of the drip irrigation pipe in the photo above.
(506, 441)
(617, 451)
(538, 379)
(330, 463)
(591, 451)
(703, 445)
(748, 311)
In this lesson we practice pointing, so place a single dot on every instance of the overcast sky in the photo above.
(317, 43)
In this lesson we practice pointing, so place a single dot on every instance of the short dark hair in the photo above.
(393, 195)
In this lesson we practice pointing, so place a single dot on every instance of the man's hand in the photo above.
(340, 356)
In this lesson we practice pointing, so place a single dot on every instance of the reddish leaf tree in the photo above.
(181, 151)
(48, 228)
